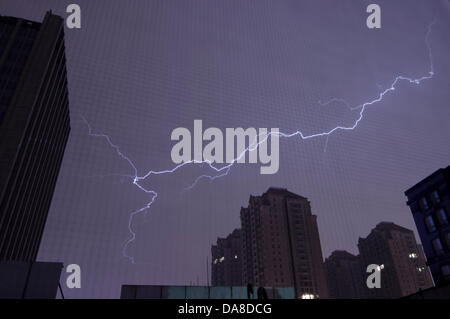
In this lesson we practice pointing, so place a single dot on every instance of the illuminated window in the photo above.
(430, 224)
(379, 268)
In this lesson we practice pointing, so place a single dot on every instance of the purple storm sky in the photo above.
(139, 69)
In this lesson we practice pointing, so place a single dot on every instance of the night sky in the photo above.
(139, 69)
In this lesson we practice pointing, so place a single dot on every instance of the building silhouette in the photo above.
(429, 202)
(344, 275)
(226, 268)
(34, 128)
(200, 292)
(400, 259)
(281, 244)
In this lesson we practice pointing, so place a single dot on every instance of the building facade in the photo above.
(401, 261)
(226, 268)
(281, 244)
(34, 128)
(345, 278)
(429, 201)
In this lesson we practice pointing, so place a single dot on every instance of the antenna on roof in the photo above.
(207, 272)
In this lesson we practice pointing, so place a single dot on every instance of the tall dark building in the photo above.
(281, 244)
(400, 259)
(429, 201)
(345, 278)
(34, 128)
(226, 267)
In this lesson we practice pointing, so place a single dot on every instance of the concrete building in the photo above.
(281, 244)
(226, 268)
(429, 201)
(345, 278)
(401, 261)
(34, 128)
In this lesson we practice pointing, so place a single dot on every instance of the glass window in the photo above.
(437, 246)
(446, 270)
(414, 207)
(447, 240)
(424, 203)
(430, 224)
(442, 217)
(435, 196)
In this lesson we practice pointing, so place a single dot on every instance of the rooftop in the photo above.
(442, 171)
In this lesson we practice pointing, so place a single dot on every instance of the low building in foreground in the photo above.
(201, 292)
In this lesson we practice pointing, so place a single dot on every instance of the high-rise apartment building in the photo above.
(345, 278)
(429, 201)
(281, 244)
(226, 268)
(34, 128)
(401, 261)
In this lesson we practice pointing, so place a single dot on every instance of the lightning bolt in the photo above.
(224, 170)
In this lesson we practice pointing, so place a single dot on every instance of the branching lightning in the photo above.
(224, 170)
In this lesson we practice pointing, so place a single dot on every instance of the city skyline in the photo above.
(276, 225)
(189, 62)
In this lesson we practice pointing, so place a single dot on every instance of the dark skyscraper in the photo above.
(400, 259)
(429, 202)
(227, 260)
(281, 244)
(344, 275)
(34, 128)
